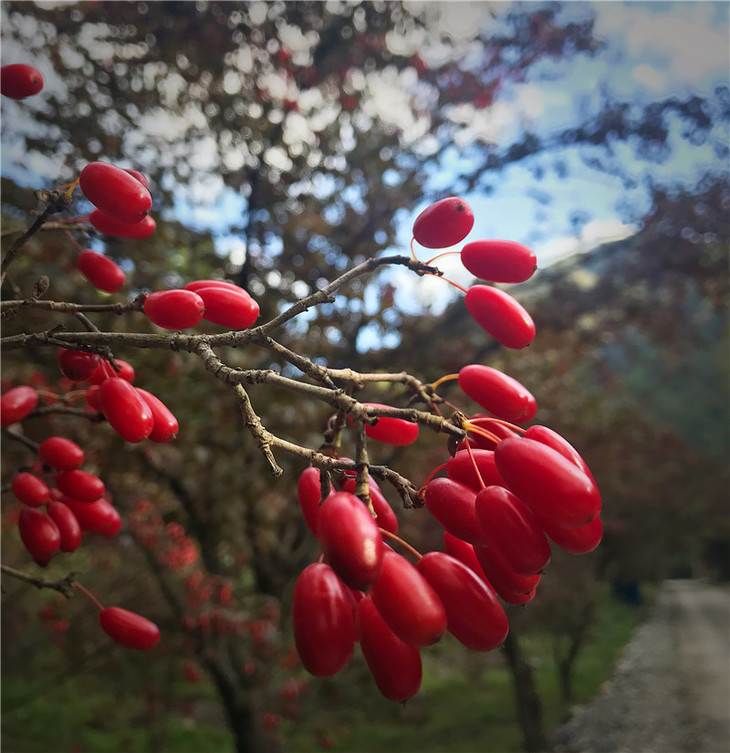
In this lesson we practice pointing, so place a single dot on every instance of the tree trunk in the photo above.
(529, 708)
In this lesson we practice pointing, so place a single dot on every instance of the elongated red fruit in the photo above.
(576, 540)
(196, 285)
(453, 505)
(96, 517)
(323, 621)
(552, 439)
(80, 485)
(61, 453)
(125, 410)
(229, 308)
(408, 604)
(111, 226)
(384, 515)
(115, 192)
(464, 552)
(395, 431)
(511, 586)
(129, 628)
(499, 261)
(104, 370)
(16, 404)
(444, 223)
(309, 494)
(174, 309)
(513, 530)
(350, 540)
(68, 525)
(497, 392)
(501, 315)
(18, 80)
(30, 489)
(40, 535)
(461, 468)
(76, 365)
(395, 666)
(552, 486)
(165, 424)
(475, 616)
(103, 273)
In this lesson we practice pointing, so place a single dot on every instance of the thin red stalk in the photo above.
(474, 463)
(85, 591)
(405, 544)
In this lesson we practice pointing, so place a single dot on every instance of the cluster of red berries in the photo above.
(507, 493)
(215, 301)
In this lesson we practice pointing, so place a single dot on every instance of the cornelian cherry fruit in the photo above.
(234, 309)
(174, 309)
(61, 453)
(40, 535)
(389, 430)
(444, 223)
(309, 494)
(499, 261)
(129, 628)
(323, 621)
(384, 515)
(105, 371)
(67, 524)
(16, 404)
(453, 505)
(76, 365)
(18, 80)
(111, 226)
(395, 666)
(408, 604)
(30, 489)
(463, 468)
(497, 392)
(475, 616)
(503, 317)
(80, 485)
(96, 517)
(115, 192)
(575, 540)
(350, 539)
(126, 410)
(103, 273)
(200, 284)
(165, 424)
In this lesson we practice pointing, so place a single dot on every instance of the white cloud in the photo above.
(593, 234)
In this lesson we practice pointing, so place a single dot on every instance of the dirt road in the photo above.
(671, 689)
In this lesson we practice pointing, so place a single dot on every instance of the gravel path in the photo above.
(671, 689)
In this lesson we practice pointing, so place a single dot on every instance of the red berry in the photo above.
(19, 81)
(92, 398)
(453, 505)
(80, 485)
(61, 453)
(552, 486)
(384, 515)
(229, 308)
(76, 365)
(444, 223)
(125, 410)
(499, 261)
(16, 404)
(501, 315)
(174, 309)
(464, 552)
(576, 540)
(68, 525)
(350, 539)
(323, 621)
(111, 226)
(511, 586)
(475, 616)
(115, 192)
(129, 629)
(39, 533)
(29, 489)
(309, 493)
(395, 431)
(407, 603)
(101, 271)
(395, 666)
(553, 439)
(165, 424)
(461, 468)
(513, 530)
(137, 175)
(104, 370)
(200, 284)
(497, 392)
(96, 517)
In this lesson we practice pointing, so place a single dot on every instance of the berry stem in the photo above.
(413, 253)
(514, 427)
(85, 591)
(469, 426)
(405, 544)
(439, 256)
(443, 379)
(429, 477)
(476, 468)
(74, 241)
